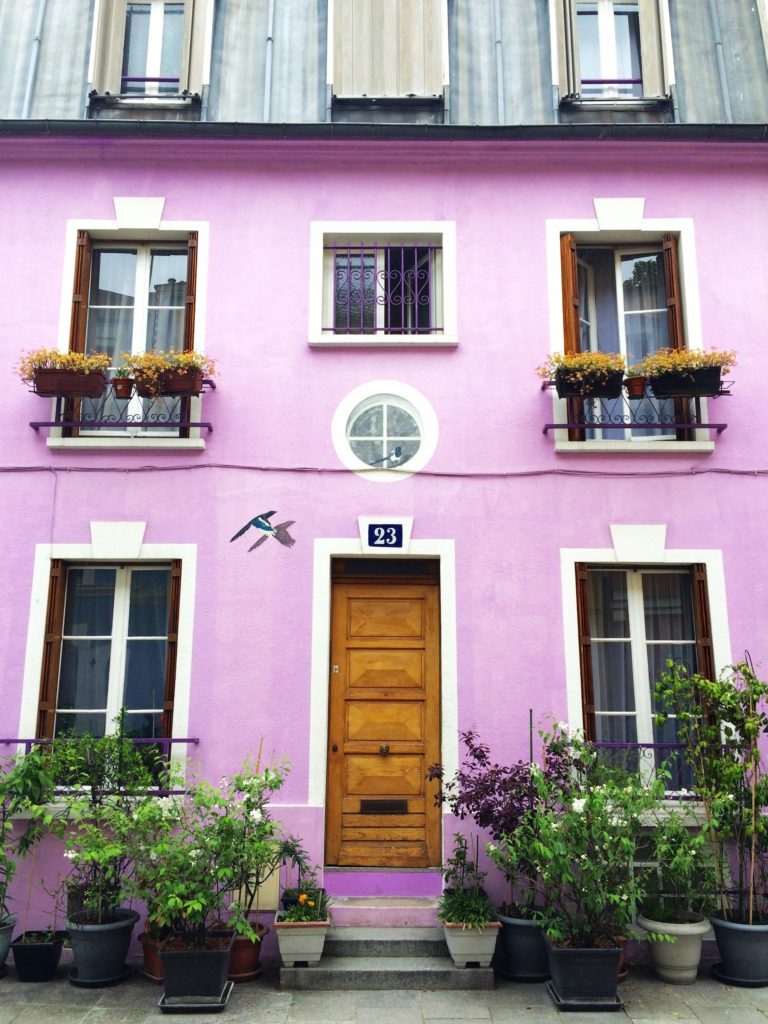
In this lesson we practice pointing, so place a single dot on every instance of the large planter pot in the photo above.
(743, 952)
(7, 925)
(471, 945)
(521, 951)
(586, 979)
(701, 383)
(69, 384)
(300, 942)
(37, 954)
(675, 962)
(197, 977)
(245, 965)
(99, 950)
(609, 387)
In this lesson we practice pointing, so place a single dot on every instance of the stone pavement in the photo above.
(262, 1002)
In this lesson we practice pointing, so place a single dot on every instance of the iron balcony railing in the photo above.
(632, 418)
(646, 759)
(384, 289)
(164, 415)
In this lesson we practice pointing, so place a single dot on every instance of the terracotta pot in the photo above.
(244, 964)
(153, 965)
(122, 387)
(635, 386)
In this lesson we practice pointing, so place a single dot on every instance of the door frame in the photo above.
(326, 549)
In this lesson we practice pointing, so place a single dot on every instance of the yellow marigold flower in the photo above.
(310, 903)
(303, 898)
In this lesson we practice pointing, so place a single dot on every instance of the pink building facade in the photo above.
(455, 562)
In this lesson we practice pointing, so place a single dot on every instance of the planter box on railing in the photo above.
(69, 384)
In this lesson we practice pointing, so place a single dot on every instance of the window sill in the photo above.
(638, 447)
(129, 442)
(606, 103)
(177, 102)
(384, 341)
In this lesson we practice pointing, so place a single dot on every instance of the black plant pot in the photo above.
(100, 949)
(608, 387)
(743, 952)
(701, 383)
(37, 956)
(196, 976)
(584, 978)
(521, 951)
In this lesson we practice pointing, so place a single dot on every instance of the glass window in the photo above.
(384, 432)
(609, 49)
(152, 47)
(113, 652)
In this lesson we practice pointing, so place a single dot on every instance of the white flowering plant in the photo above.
(583, 846)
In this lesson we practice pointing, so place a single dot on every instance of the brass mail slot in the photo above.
(383, 806)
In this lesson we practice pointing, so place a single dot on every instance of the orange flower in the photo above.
(310, 903)
(303, 899)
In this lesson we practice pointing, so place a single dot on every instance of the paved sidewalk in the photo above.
(262, 1002)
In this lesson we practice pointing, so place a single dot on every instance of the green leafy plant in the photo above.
(582, 370)
(123, 372)
(312, 902)
(682, 884)
(53, 359)
(463, 901)
(26, 784)
(681, 360)
(722, 724)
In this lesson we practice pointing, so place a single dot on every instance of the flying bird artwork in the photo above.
(263, 526)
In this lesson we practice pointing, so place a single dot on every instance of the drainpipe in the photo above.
(499, 63)
(33, 58)
(268, 62)
(714, 15)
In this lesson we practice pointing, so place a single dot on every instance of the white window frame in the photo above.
(637, 546)
(322, 272)
(114, 543)
(620, 221)
(138, 219)
(118, 638)
(413, 401)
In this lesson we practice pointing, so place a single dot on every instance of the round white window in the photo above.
(385, 430)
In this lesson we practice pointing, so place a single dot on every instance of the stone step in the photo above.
(385, 942)
(379, 973)
(385, 911)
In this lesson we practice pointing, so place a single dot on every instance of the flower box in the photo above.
(300, 942)
(603, 387)
(56, 383)
(471, 945)
(177, 383)
(703, 382)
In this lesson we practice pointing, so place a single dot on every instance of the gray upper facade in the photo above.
(461, 62)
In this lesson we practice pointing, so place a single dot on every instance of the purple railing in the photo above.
(646, 758)
(384, 289)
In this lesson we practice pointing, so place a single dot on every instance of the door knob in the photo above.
(384, 748)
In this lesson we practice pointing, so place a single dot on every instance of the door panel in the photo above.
(384, 725)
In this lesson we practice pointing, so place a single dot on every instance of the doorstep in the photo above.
(384, 911)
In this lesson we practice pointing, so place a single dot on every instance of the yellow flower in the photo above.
(303, 898)
(310, 903)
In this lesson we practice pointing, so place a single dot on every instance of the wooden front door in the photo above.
(384, 728)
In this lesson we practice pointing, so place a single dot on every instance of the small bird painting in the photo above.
(263, 526)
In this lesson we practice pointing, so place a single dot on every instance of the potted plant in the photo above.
(498, 798)
(301, 928)
(36, 952)
(722, 724)
(168, 373)
(686, 372)
(584, 374)
(109, 783)
(122, 383)
(587, 839)
(25, 782)
(465, 911)
(679, 894)
(635, 382)
(56, 374)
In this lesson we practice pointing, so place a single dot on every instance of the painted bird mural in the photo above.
(263, 526)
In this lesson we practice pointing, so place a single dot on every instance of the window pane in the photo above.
(165, 329)
(589, 48)
(407, 450)
(371, 452)
(136, 46)
(615, 729)
(168, 278)
(170, 58)
(90, 597)
(77, 725)
(113, 277)
(355, 292)
(668, 606)
(400, 423)
(612, 677)
(148, 614)
(627, 26)
(110, 331)
(646, 332)
(145, 674)
(146, 726)
(608, 614)
(369, 423)
(643, 282)
(84, 673)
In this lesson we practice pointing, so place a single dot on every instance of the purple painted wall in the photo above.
(506, 498)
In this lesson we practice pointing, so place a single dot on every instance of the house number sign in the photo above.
(385, 535)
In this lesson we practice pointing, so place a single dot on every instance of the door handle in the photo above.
(384, 748)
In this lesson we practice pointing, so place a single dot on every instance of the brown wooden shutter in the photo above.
(705, 657)
(49, 676)
(79, 319)
(674, 296)
(585, 651)
(571, 331)
(172, 648)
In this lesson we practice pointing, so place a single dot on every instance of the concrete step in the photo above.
(362, 972)
(385, 911)
(385, 942)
